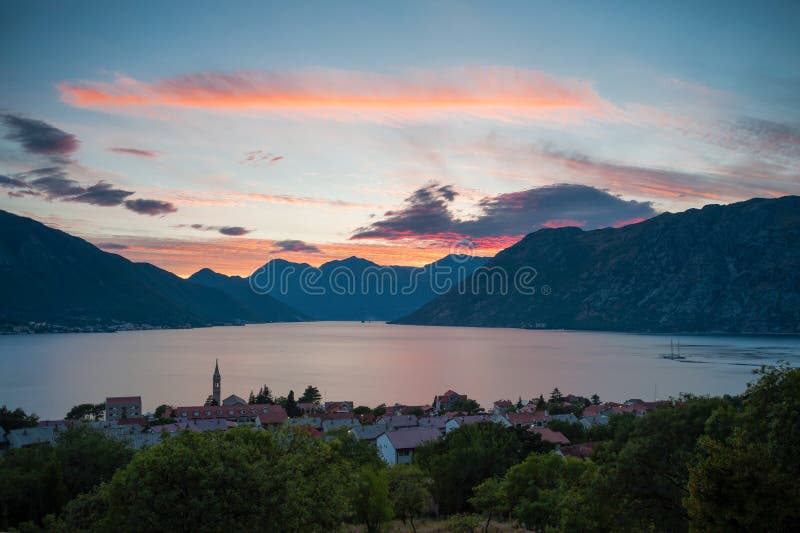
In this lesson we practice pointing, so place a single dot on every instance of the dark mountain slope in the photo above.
(49, 276)
(733, 268)
(352, 288)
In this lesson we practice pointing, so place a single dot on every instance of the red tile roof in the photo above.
(548, 435)
(526, 419)
(229, 411)
(124, 399)
(581, 451)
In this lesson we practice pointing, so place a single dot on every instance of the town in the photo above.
(564, 421)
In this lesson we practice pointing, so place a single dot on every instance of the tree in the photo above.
(161, 410)
(595, 399)
(87, 411)
(544, 491)
(264, 396)
(380, 410)
(16, 419)
(415, 411)
(362, 410)
(87, 457)
(465, 457)
(466, 405)
(556, 396)
(490, 499)
(370, 498)
(210, 402)
(519, 403)
(251, 399)
(31, 485)
(408, 492)
(746, 477)
(291, 405)
(311, 395)
(237, 480)
(540, 403)
(646, 465)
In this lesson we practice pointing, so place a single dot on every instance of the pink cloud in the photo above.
(499, 93)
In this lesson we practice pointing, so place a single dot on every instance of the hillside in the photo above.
(348, 289)
(49, 276)
(732, 268)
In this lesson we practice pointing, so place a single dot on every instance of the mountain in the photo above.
(348, 289)
(733, 268)
(49, 276)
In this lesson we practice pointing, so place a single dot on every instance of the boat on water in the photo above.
(676, 356)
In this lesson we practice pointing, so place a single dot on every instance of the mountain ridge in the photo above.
(732, 268)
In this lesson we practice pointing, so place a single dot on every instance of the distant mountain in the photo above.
(49, 276)
(733, 268)
(348, 289)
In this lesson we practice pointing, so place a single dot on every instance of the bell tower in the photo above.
(216, 391)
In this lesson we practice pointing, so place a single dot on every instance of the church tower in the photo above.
(217, 387)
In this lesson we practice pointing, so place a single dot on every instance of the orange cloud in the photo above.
(501, 93)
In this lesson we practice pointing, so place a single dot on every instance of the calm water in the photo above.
(371, 364)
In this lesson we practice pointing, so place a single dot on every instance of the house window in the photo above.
(404, 453)
(196, 413)
(231, 412)
(208, 413)
(184, 414)
(244, 411)
(265, 410)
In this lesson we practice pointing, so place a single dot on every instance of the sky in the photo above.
(222, 135)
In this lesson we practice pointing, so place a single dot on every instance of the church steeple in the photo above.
(216, 391)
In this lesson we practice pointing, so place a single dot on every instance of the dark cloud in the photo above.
(54, 183)
(150, 207)
(39, 137)
(291, 245)
(23, 193)
(133, 151)
(426, 213)
(10, 183)
(103, 194)
(111, 246)
(232, 231)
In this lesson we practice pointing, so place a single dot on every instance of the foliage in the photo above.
(595, 399)
(408, 492)
(264, 396)
(40, 479)
(470, 454)
(465, 405)
(87, 457)
(311, 395)
(542, 490)
(416, 411)
(556, 396)
(646, 465)
(490, 499)
(87, 411)
(235, 480)
(380, 410)
(362, 410)
(463, 523)
(746, 479)
(31, 485)
(576, 433)
(16, 419)
(369, 498)
(161, 410)
(352, 449)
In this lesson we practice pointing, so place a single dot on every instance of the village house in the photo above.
(338, 407)
(548, 435)
(523, 420)
(234, 400)
(460, 421)
(446, 401)
(120, 407)
(434, 422)
(397, 447)
(392, 422)
(370, 432)
(275, 414)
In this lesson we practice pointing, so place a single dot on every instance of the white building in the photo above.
(397, 447)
